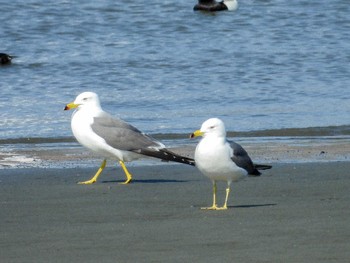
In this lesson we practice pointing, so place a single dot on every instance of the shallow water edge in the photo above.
(320, 144)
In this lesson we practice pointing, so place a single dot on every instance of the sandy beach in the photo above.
(292, 213)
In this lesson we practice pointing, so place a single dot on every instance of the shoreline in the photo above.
(261, 149)
(292, 213)
(317, 131)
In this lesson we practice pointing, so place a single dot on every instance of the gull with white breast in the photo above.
(221, 160)
(113, 138)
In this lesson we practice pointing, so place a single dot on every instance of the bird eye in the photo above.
(212, 127)
(85, 99)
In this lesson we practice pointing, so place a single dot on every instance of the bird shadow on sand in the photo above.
(243, 206)
(148, 181)
(250, 206)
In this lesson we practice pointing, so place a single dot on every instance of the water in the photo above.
(166, 69)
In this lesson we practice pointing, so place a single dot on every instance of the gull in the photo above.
(113, 138)
(221, 160)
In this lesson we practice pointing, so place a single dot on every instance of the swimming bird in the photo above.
(113, 138)
(212, 5)
(5, 59)
(221, 160)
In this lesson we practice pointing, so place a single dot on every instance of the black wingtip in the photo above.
(258, 167)
(167, 155)
(170, 156)
(255, 172)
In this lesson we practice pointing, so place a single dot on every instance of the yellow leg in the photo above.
(214, 206)
(99, 171)
(128, 175)
(224, 207)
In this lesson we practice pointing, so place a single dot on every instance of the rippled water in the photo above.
(166, 69)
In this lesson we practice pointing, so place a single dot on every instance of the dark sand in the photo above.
(293, 213)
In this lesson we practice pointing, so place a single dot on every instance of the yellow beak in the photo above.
(196, 134)
(70, 106)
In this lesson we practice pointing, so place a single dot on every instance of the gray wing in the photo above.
(241, 158)
(121, 135)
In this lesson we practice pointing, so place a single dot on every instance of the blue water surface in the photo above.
(165, 68)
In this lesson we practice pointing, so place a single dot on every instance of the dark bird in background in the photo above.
(5, 59)
(213, 6)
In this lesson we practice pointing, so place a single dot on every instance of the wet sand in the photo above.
(264, 150)
(292, 213)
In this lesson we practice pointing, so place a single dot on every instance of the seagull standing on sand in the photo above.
(221, 160)
(113, 138)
